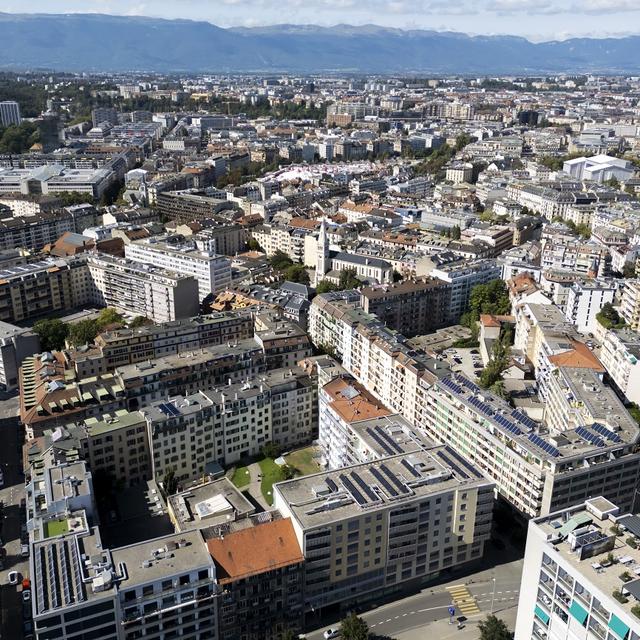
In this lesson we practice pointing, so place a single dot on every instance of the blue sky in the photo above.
(536, 19)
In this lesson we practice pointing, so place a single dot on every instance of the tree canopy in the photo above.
(354, 628)
(297, 273)
(493, 628)
(52, 333)
(609, 317)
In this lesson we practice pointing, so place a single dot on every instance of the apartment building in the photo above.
(630, 303)
(569, 580)
(16, 344)
(620, 355)
(127, 346)
(142, 288)
(383, 526)
(577, 257)
(411, 307)
(260, 570)
(189, 433)
(585, 300)
(537, 471)
(212, 271)
(461, 279)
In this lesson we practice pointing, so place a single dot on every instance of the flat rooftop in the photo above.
(322, 498)
(352, 402)
(159, 558)
(584, 538)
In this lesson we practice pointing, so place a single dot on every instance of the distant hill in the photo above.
(93, 42)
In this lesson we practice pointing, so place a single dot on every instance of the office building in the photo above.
(9, 113)
(580, 575)
(212, 271)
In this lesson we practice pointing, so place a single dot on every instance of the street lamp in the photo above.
(493, 595)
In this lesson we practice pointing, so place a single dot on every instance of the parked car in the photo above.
(24, 550)
(13, 577)
(26, 595)
(329, 634)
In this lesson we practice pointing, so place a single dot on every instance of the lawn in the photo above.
(302, 461)
(241, 477)
(56, 528)
(271, 473)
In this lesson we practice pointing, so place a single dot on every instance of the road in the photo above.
(431, 605)
(11, 494)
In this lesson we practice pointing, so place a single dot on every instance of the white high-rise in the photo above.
(9, 113)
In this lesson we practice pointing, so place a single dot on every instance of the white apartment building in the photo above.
(141, 289)
(569, 579)
(9, 113)
(585, 300)
(463, 277)
(599, 168)
(535, 470)
(630, 304)
(212, 271)
(620, 355)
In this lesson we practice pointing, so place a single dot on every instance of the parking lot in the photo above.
(466, 361)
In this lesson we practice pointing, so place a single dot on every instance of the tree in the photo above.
(348, 280)
(492, 297)
(297, 273)
(613, 182)
(325, 286)
(108, 317)
(170, 482)
(254, 245)
(354, 627)
(280, 260)
(52, 333)
(492, 628)
(492, 373)
(139, 321)
(609, 317)
(83, 332)
(270, 450)
(629, 270)
(397, 276)
(455, 233)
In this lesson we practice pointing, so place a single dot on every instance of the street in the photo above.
(11, 494)
(402, 618)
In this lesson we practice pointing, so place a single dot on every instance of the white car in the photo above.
(329, 634)
(13, 577)
(26, 595)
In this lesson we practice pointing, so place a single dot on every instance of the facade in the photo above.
(462, 278)
(537, 472)
(620, 355)
(584, 302)
(411, 307)
(376, 528)
(630, 303)
(16, 344)
(568, 580)
(9, 113)
(212, 271)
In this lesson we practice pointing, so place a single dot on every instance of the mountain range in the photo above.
(103, 43)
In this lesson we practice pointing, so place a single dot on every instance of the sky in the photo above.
(535, 19)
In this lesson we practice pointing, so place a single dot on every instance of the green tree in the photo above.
(492, 628)
(325, 286)
(170, 482)
(83, 332)
(609, 317)
(348, 280)
(353, 627)
(629, 270)
(108, 317)
(613, 182)
(499, 361)
(280, 260)
(52, 333)
(297, 273)
(139, 321)
(253, 245)
(492, 297)
(270, 450)
(455, 233)
(462, 140)
(397, 276)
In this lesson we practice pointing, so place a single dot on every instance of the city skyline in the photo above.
(538, 21)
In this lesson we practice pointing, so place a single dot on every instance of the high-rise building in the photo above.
(580, 575)
(9, 113)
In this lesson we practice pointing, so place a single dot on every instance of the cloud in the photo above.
(598, 7)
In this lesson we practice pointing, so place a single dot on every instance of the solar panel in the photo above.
(607, 433)
(365, 487)
(465, 463)
(544, 445)
(386, 485)
(452, 465)
(590, 437)
(387, 438)
(401, 486)
(410, 468)
(357, 496)
(385, 447)
(331, 484)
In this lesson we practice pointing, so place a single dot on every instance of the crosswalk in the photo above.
(464, 602)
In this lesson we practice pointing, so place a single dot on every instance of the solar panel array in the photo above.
(465, 463)
(508, 425)
(350, 487)
(592, 438)
(607, 433)
(467, 383)
(399, 484)
(385, 447)
(388, 444)
(367, 490)
(524, 419)
(451, 385)
(544, 445)
(452, 465)
(331, 484)
(410, 468)
(169, 409)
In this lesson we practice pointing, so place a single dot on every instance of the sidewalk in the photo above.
(254, 486)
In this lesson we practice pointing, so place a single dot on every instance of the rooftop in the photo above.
(321, 498)
(352, 402)
(255, 550)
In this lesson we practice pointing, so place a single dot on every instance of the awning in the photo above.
(541, 614)
(618, 627)
(578, 520)
(578, 612)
